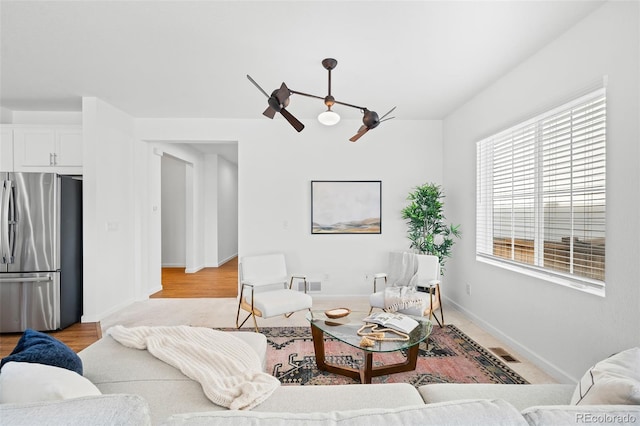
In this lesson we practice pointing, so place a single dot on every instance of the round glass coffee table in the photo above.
(345, 330)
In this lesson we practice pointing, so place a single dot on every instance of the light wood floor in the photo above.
(208, 282)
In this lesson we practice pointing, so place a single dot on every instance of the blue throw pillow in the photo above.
(40, 348)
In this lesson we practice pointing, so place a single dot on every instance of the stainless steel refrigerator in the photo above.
(40, 251)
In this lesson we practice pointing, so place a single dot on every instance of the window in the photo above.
(540, 204)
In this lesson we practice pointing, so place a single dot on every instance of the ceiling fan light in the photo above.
(328, 118)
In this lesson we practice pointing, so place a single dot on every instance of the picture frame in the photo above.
(346, 207)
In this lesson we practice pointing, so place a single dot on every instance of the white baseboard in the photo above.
(532, 356)
(223, 261)
(100, 316)
(193, 270)
(154, 289)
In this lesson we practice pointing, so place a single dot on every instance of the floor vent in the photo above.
(314, 286)
(503, 354)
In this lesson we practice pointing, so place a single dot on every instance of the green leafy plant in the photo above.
(428, 232)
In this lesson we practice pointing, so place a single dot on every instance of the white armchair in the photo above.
(263, 289)
(410, 269)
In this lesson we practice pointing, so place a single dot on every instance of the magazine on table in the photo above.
(393, 320)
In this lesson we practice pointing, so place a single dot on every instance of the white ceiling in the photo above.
(190, 58)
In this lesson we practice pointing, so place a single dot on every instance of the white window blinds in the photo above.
(541, 192)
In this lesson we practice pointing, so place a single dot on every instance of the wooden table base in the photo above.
(367, 371)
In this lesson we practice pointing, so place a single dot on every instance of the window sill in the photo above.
(552, 278)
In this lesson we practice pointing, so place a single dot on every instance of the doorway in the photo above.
(199, 214)
(173, 212)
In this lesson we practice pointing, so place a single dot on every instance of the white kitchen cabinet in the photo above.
(48, 149)
(68, 150)
(6, 150)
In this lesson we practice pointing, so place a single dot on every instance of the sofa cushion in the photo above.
(476, 412)
(555, 415)
(520, 396)
(30, 382)
(107, 361)
(114, 368)
(91, 410)
(41, 348)
(341, 397)
(615, 380)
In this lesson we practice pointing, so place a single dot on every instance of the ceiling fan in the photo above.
(279, 100)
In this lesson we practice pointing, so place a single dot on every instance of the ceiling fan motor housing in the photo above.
(329, 63)
(370, 119)
(329, 101)
(277, 102)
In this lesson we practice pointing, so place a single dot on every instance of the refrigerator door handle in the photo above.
(27, 280)
(4, 221)
(12, 223)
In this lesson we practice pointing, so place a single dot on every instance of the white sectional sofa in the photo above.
(139, 389)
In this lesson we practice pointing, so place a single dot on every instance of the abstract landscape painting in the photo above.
(346, 207)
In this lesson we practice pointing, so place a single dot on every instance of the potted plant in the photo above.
(428, 232)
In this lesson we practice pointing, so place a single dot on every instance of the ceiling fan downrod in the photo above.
(329, 64)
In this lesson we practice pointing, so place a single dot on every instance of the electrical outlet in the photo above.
(468, 289)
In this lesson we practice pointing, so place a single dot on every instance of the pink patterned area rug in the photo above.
(452, 357)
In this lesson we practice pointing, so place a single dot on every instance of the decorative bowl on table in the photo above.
(337, 313)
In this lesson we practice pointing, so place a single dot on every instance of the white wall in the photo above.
(46, 117)
(227, 209)
(276, 166)
(563, 330)
(110, 229)
(173, 182)
(194, 238)
(6, 116)
(221, 210)
(211, 210)
(210, 237)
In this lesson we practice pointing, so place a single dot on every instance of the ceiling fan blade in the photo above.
(361, 132)
(269, 112)
(292, 120)
(257, 85)
(386, 119)
(283, 95)
(390, 111)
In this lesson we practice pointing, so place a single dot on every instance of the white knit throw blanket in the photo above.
(401, 294)
(229, 371)
(401, 297)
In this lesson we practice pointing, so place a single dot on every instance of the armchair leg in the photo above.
(431, 314)
(251, 314)
(440, 303)
(255, 322)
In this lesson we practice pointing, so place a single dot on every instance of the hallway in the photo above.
(208, 282)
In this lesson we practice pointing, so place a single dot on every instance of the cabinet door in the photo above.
(33, 148)
(6, 150)
(68, 147)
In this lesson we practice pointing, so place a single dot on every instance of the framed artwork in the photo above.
(346, 207)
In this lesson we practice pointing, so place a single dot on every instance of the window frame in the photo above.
(486, 181)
